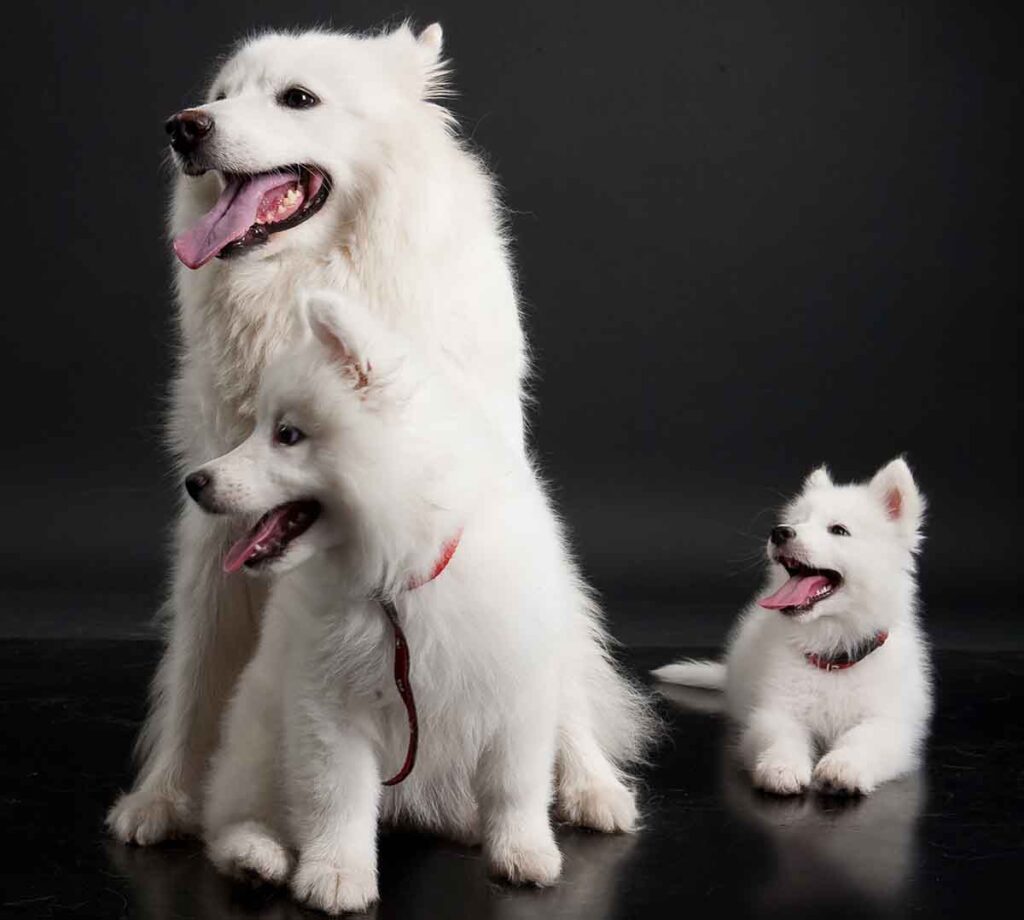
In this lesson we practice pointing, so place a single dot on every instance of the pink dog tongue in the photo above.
(796, 592)
(229, 219)
(248, 545)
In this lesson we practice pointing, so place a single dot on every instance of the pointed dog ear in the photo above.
(432, 39)
(818, 477)
(420, 65)
(895, 490)
(339, 326)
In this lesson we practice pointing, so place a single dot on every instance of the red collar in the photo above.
(402, 658)
(848, 660)
(447, 551)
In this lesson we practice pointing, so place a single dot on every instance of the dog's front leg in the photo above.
(212, 632)
(334, 785)
(243, 814)
(513, 783)
(777, 750)
(877, 750)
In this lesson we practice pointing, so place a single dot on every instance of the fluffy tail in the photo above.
(709, 675)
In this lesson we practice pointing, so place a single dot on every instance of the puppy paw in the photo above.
(334, 889)
(839, 774)
(146, 817)
(248, 851)
(607, 807)
(535, 863)
(781, 777)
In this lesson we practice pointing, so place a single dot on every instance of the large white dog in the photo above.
(323, 160)
(379, 491)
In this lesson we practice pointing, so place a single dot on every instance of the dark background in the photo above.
(751, 236)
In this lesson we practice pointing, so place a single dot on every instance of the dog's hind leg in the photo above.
(214, 623)
(604, 725)
(590, 791)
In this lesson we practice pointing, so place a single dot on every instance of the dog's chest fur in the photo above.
(344, 651)
(768, 669)
(237, 318)
(830, 702)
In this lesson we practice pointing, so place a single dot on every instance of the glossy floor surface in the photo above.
(937, 844)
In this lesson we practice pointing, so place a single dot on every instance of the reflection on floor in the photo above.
(825, 848)
(930, 844)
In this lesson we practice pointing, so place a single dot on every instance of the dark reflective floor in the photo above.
(938, 844)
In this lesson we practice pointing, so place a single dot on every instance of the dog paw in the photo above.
(537, 863)
(334, 889)
(781, 777)
(146, 817)
(607, 807)
(838, 774)
(249, 852)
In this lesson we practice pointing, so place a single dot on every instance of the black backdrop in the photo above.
(751, 236)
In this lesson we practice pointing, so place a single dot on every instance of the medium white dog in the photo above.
(319, 160)
(378, 488)
(832, 661)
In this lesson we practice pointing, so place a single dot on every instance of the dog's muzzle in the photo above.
(188, 129)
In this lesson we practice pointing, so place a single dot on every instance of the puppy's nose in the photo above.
(195, 483)
(187, 129)
(781, 534)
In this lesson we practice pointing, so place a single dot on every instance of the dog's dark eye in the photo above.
(288, 435)
(838, 530)
(295, 97)
(220, 97)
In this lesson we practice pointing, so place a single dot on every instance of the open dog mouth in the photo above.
(250, 209)
(806, 587)
(271, 535)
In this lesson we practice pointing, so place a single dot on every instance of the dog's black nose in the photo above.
(781, 534)
(195, 483)
(187, 129)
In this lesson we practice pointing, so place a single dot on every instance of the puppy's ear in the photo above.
(423, 69)
(344, 330)
(894, 489)
(432, 39)
(819, 477)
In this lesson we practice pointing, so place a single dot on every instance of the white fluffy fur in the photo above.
(412, 229)
(868, 721)
(400, 462)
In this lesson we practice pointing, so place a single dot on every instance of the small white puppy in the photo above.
(832, 661)
(375, 478)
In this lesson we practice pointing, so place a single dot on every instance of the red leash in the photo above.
(404, 691)
(402, 661)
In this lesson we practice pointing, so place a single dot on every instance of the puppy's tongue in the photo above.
(251, 544)
(796, 592)
(228, 220)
